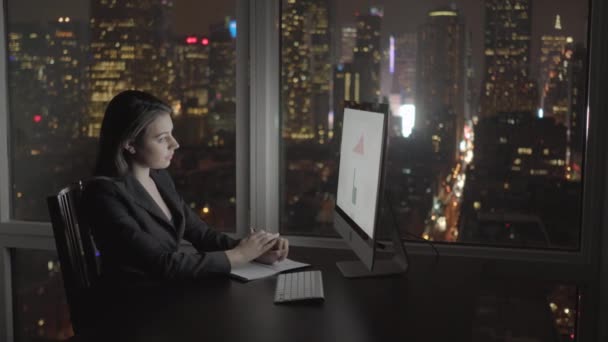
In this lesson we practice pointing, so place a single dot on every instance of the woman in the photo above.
(136, 215)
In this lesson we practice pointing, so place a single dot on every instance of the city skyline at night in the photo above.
(498, 92)
(200, 83)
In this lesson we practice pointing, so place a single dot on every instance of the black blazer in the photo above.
(137, 241)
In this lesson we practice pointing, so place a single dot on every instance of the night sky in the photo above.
(196, 15)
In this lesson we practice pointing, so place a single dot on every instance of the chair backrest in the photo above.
(78, 256)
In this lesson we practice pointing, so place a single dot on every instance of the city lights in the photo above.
(488, 119)
(232, 28)
(391, 55)
(407, 112)
(443, 14)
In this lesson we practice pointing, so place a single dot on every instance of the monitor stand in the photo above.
(397, 265)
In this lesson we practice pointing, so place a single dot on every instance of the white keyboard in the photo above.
(297, 286)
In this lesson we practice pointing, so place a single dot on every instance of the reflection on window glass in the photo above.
(40, 309)
(487, 102)
(526, 311)
(563, 303)
(67, 59)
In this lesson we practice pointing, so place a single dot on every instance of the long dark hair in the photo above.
(125, 119)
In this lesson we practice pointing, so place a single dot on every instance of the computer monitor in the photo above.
(361, 188)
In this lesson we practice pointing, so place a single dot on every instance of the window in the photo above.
(65, 61)
(39, 303)
(487, 115)
(68, 59)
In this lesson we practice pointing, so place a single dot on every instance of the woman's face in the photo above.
(157, 145)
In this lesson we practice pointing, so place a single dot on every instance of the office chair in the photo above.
(76, 251)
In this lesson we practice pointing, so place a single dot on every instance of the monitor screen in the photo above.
(360, 167)
(361, 173)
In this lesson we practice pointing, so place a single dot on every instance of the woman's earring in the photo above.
(131, 150)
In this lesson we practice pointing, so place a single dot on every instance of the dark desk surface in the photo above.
(452, 300)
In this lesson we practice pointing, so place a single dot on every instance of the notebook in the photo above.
(256, 270)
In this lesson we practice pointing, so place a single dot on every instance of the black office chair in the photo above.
(78, 256)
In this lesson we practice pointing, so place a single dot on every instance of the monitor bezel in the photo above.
(379, 108)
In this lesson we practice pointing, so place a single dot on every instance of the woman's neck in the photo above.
(142, 174)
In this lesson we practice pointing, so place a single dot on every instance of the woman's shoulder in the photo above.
(101, 184)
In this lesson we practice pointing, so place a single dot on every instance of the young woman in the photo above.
(137, 217)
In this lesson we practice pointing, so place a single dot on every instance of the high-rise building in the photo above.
(129, 49)
(555, 93)
(27, 62)
(577, 100)
(406, 51)
(67, 83)
(222, 77)
(306, 69)
(320, 66)
(48, 60)
(440, 81)
(192, 74)
(552, 45)
(192, 79)
(518, 159)
(368, 54)
(555, 53)
(298, 122)
(348, 42)
(347, 87)
(507, 85)
(222, 63)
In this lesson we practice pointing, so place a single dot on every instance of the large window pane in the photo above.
(488, 103)
(67, 59)
(40, 309)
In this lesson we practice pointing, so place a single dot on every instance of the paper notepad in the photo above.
(256, 270)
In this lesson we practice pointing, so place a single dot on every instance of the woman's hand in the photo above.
(278, 252)
(251, 248)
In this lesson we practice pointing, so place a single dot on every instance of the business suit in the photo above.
(138, 242)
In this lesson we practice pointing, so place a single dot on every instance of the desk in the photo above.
(452, 300)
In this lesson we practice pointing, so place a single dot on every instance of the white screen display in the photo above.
(360, 163)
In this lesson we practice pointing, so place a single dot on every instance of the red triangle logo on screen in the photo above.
(359, 148)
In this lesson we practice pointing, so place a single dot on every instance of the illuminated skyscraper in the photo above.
(27, 62)
(555, 52)
(406, 50)
(67, 83)
(507, 86)
(347, 87)
(577, 95)
(192, 73)
(440, 81)
(222, 62)
(49, 61)
(320, 65)
(192, 78)
(367, 53)
(306, 69)
(129, 50)
(348, 40)
(222, 80)
(555, 100)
